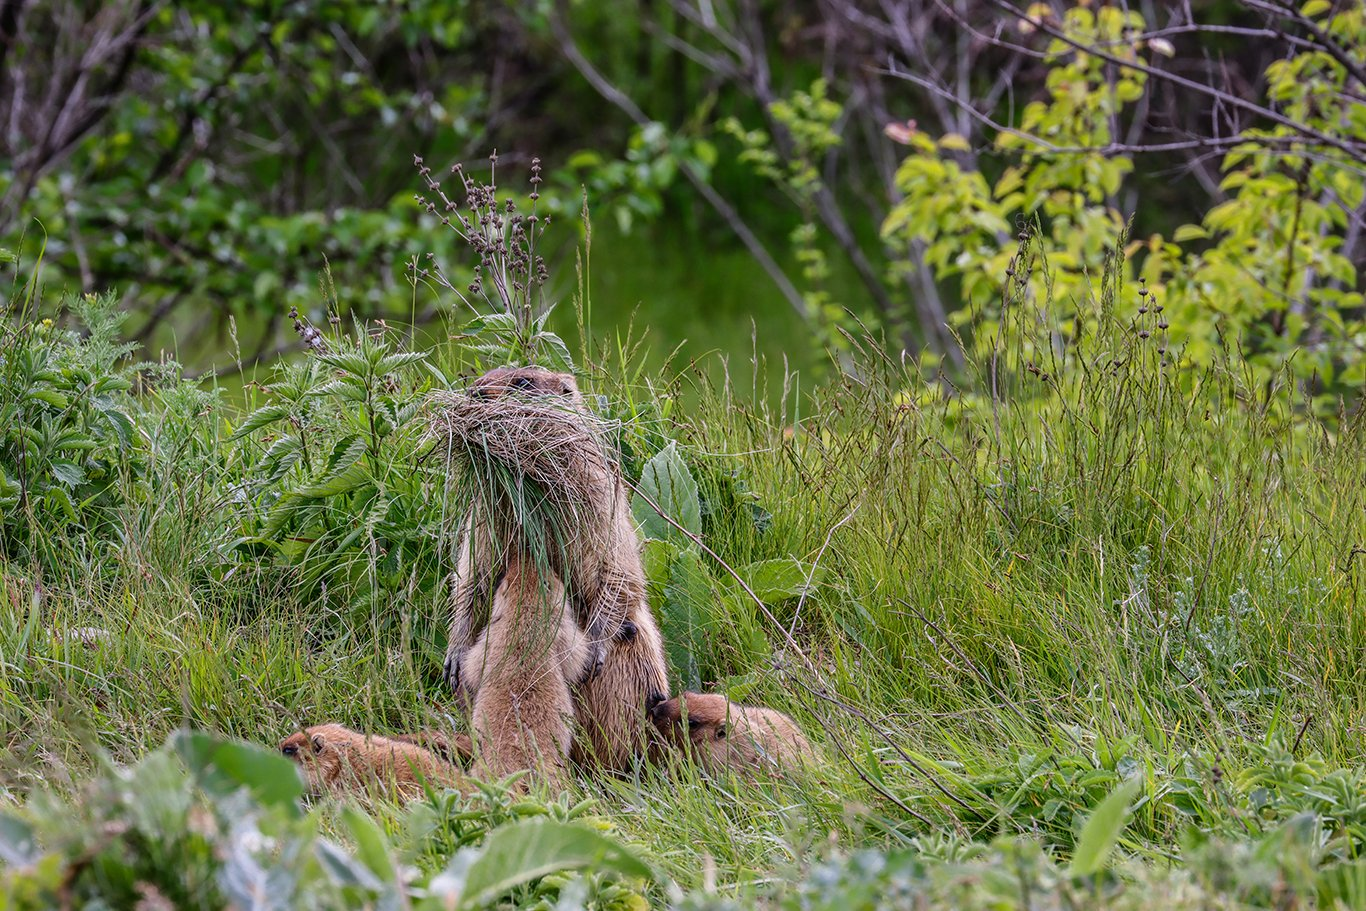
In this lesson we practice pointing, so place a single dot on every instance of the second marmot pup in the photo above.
(335, 759)
(726, 736)
(520, 671)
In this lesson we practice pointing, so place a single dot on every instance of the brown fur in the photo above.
(607, 585)
(726, 736)
(335, 759)
(451, 746)
(520, 672)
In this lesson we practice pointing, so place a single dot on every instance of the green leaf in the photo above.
(1189, 232)
(370, 844)
(778, 580)
(520, 853)
(683, 618)
(68, 473)
(1315, 8)
(667, 483)
(259, 418)
(222, 767)
(18, 846)
(1101, 831)
(344, 869)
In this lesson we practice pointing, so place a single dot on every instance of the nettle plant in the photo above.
(69, 450)
(1263, 270)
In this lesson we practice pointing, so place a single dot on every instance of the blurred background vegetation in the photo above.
(795, 167)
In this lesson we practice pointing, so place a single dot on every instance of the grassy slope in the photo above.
(1110, 557)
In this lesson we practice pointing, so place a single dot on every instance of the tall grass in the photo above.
(988, 600)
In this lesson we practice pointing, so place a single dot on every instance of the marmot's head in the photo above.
(526, 381)
(317, 751)
(706, 722)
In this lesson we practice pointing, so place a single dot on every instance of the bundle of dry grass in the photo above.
(536, 468)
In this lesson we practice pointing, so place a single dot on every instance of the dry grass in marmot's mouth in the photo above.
(562, 450)
(534, 468)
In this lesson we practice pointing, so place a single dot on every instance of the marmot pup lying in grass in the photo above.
(335, 759)
(726, 736)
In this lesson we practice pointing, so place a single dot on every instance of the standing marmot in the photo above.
(537, 422)
(520, 672)
(725, 735)
(337, 759)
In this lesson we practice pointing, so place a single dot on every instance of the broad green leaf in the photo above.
(223, 767)
(371, 847)
(1101, 831)
(344, 869)
(667, 483)
(68, 473)
(18, 846)
(516, 854)
(684, 617)
(778, 580)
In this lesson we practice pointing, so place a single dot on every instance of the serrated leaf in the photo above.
(261, 417)
(338, 483)
(347, 361)
(668, 484)
(523, 852)
(403, 358)
(68, 473)
(1100, 833)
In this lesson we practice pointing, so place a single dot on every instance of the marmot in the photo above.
(451, 746)
(337, 759)
(520, 672)
(724, 735)
(600, 567)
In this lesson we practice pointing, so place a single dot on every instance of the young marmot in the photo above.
(724, 735)
(336, 759)
(520, 672)
(602, 570)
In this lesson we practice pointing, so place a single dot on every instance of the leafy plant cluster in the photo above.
(1263, 267)
(206, 822)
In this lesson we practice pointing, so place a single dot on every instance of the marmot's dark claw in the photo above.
(597, 658)
(452, 669)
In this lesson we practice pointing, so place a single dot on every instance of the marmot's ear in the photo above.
(318, 743)
(720, 732)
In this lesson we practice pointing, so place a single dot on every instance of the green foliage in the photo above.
(1262, 267)
(222, 828)
(68, 453)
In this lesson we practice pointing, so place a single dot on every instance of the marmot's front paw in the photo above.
(454, 656)
(597, 657)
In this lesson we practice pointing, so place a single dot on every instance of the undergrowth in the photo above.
(1079, 628)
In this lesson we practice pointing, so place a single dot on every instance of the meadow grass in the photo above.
(1013, 595)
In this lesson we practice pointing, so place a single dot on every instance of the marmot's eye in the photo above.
(290, 750)
(693, 724)
(523, 382)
